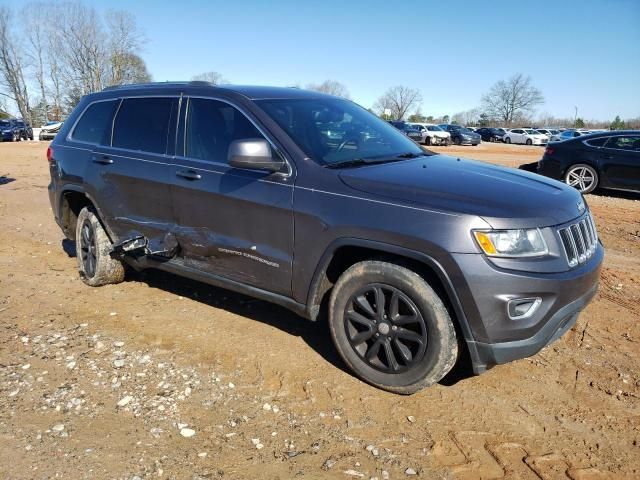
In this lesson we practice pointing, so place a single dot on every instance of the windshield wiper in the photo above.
(358, 162)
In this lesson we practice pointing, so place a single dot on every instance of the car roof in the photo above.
(252, 92)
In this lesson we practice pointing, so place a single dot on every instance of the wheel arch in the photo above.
(73, 198)
(344, 252)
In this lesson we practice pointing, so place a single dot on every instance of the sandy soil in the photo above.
(160, 377)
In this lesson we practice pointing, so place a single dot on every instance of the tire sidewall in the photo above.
(442, 346)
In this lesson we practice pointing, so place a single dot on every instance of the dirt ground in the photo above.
(161, 377)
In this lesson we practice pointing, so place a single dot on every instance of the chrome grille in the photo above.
(579, 240)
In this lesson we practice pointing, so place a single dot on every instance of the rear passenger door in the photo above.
(129, 173)
(232, 222)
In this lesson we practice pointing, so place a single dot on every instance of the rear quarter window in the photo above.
(94, 125)
(596, 142)
(142, 124)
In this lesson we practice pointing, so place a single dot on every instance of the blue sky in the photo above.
(581, 53)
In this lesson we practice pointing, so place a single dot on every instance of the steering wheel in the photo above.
(345, 142)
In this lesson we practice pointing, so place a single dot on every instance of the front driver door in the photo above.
(620, 162)
(232, 222)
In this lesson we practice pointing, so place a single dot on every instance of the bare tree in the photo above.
(509, 99)
(213, 77)
(399, 100)
(125, 66)
(82, 47)
(11, 67)
(468, 117)
(331, 87)
(35, 25)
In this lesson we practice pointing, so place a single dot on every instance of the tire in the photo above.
(427, 141)
(429, 336)
(16, 137)
(507, 140)
(529, 142)
(582, 177)
(457, 140)
(95, 265)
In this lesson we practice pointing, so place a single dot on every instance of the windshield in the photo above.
(434, 128)
(334, 131)
(4, 123)
(532, 132)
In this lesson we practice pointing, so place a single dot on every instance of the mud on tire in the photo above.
(95, 265)
(361, 306)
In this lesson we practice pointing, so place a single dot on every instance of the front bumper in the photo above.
(485, 290)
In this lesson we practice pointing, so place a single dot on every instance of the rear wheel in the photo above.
(391, 328)
(93, 247)
(582, 177)
(16, 137)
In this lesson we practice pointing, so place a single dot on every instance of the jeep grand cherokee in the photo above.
(415, 255)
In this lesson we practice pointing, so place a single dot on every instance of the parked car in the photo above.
(415, 255)
(607, 160)
(461, 135)
(566, 135)
(14, 130)
(525, 136)
(549, 132)
(409, 130)
(433, 134)
(490, 134)
(49, 131)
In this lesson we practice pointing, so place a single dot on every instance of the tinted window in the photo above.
(212, 126)
(143, 124)
(624, 143)
(95, 124)
(597, 142)
(516, 131)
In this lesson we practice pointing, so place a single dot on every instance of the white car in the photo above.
(526, 136)
(433, 134)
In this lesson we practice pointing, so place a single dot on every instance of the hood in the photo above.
(504, 197)
(439, 134)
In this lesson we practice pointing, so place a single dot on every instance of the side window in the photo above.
(95, 124)
(597, 142)
(212, 126)
(143, 124)
(516, 131)
(624, 143)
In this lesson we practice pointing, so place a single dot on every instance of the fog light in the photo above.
(520, 308)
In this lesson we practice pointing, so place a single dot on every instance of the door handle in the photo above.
(102, 160)
(188, 174)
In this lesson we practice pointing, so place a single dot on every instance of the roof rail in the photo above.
(201, 83)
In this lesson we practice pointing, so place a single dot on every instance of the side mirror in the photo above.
(253, 154)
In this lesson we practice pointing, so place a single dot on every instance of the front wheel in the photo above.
(93, 249)
(457, 140)
(529, 142)
(427, 141)
(507, 140)
(391, 328)
(582, 177)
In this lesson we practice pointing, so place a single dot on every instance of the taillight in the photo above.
(49, 154)
(549, 151)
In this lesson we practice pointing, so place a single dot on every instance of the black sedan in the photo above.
(490, 134)
(409, 130)
(606, 159)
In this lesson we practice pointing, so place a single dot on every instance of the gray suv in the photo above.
(414, 258)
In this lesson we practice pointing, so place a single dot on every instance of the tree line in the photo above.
(51, 54)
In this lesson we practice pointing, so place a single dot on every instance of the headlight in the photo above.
(512, 243)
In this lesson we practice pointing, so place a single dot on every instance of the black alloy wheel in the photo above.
(88, 249)
(385, 328)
